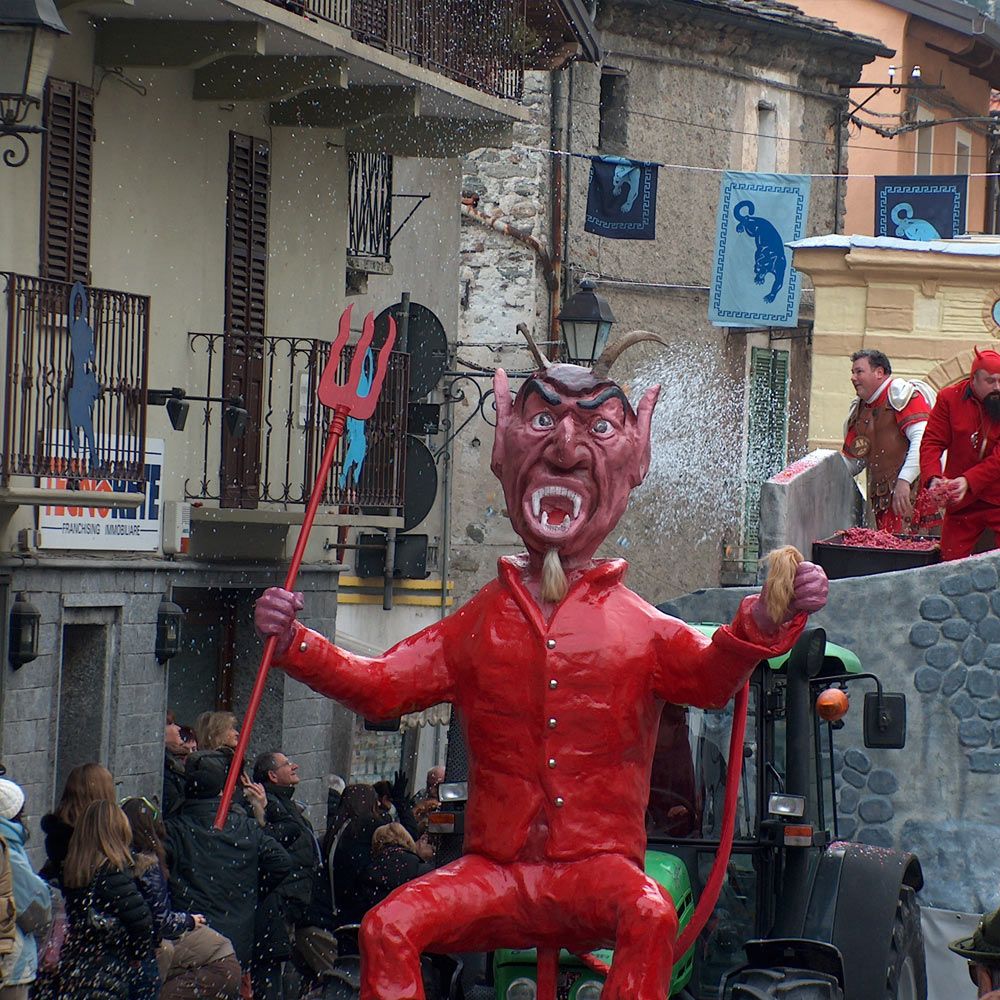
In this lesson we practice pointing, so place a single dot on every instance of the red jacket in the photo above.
(560, 717)
(959, 425)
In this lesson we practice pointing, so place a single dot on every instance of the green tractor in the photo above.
(801, 915)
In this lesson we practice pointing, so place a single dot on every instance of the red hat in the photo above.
(987, 360)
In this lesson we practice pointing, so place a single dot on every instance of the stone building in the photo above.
(216, 183)
(713, 84)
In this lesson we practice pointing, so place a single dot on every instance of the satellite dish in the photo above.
(427, 345)
(421, 482)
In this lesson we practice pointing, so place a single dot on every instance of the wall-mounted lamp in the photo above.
(22, 638)
(915, 73)
(176, 400)
(28, 33)
(585, 321)
(169, 618)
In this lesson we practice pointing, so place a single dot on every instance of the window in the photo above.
(369, 217)
(767, 143)
(67, 152)
(925, 143)
(613, 129)
(963, 151)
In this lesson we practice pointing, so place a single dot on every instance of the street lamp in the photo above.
(585, 321)
(234, 416)
(169, 619)
(22, 639)
(28, 33)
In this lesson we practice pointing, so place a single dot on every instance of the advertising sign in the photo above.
(106, 529)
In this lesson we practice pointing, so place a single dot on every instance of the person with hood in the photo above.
(223, 874)
(32, 898)
(86, 783)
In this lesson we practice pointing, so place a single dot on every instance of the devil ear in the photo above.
(501, 400)
(644, 421)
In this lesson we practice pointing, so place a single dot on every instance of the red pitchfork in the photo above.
(345, 402)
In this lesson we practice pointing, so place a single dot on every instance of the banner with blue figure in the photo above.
(921, 208)
(621, 200)
(754, 283)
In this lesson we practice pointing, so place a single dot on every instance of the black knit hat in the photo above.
(205, 774)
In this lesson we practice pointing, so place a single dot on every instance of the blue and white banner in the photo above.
(921, 208)
(621, 200)
(754, 283)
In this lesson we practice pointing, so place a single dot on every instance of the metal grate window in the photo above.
(67, 158)
(767, 438)
(370, 205)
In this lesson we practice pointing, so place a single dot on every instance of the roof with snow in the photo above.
(961, 248)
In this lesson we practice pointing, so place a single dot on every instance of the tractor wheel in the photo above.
(906, 976)
(783, 984)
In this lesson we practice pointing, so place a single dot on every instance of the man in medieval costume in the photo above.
(882, 434)
(559, 673)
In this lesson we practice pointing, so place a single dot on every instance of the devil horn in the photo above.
(540, 359)
(611, 353)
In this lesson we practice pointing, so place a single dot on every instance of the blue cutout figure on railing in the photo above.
(624, 174)
(909, 228)
(84, 388)
(357, 444)
(769, 256)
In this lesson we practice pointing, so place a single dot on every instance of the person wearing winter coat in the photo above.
(395, 861)
(32, 899)
(225, 873)
(287, 916)
(85, 784)
(111, 932)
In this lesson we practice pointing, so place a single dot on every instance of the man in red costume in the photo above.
(965, 423)
(559, 674)
(882, 434)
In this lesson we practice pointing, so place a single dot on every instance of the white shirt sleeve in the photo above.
(854, 465)
(911, 466)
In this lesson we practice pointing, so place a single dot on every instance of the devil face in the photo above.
(568, 452)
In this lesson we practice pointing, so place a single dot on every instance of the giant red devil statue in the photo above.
(558, 673)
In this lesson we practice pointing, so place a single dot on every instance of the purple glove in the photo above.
(810, 594)
(274, 614)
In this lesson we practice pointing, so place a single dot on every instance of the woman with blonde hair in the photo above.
(394, 862)
(86, 783)
(111, 933)
(218, 731)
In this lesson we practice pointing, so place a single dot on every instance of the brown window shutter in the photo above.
(67, 158)
(246, 286)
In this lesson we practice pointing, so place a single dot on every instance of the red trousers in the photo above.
(961, 530)
(477, 905)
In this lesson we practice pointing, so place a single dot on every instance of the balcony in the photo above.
(75, 361)
(473, 42)
(272, 466)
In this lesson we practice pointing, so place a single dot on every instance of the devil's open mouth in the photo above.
(555, 507)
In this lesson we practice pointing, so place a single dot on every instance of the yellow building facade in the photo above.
(925, 305)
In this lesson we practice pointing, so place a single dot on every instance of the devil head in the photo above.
(569, 449)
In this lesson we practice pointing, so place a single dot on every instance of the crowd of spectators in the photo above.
(145, 899)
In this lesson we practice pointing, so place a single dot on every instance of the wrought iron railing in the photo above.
(292, 425)
(476, 42)
(369, 215)
(75, 362)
